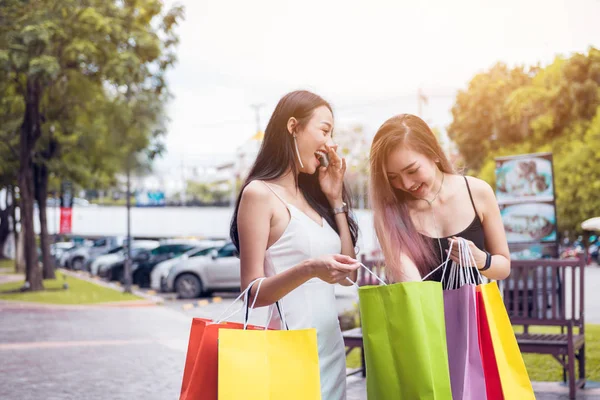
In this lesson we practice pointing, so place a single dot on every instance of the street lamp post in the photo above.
(127, 269)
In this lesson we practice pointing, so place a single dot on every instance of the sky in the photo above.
(367, 58)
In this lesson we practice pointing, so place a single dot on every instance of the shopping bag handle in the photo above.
(241, 296)
(462, 273)
(247, 304)
(442, 265)
(385, 284)
(369, 271)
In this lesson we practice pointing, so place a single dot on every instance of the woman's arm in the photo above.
(493, 229)
(346, 238)
(331, 179)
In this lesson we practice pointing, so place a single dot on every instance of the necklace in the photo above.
(430, 202)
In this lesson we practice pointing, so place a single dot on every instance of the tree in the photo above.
(207, 193)
(557, 110)
(107, 49)
(11, 109)
(480, 124)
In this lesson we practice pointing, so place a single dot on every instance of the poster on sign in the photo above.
(525, 192)
(524, 179)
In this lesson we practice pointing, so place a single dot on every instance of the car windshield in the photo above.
(116, 250)
(203, 252)
(136, 251)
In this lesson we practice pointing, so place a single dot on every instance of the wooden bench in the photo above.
(550, 293)
(353, 337)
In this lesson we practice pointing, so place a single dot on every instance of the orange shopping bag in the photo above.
(196, 334)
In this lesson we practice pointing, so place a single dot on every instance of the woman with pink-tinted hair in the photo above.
(420, 204)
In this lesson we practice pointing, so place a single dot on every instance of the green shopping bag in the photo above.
(404, 336)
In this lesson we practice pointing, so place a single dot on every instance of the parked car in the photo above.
(59, 248)
(144, 261)
(198, 276)
(158, 277)
(118, 254)
(114, 271)
(65, 255)
(78, 257)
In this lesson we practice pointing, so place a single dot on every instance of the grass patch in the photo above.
(353, 358)
(541, 367)
(79, 292)
(7, 266)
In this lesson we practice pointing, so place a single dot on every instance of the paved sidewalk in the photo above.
(6, 278)
(91, 353)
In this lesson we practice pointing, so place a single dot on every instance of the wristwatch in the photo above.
(342, 209)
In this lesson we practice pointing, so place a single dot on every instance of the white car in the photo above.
(196, 276)
(158, 277)
(59, 248)
(117, 255)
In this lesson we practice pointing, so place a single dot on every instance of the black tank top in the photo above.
(474, 233)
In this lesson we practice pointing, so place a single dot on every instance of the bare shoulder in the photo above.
(256, 197)
(256, 194)
(256, 191)
(479, 187)
(483, 194)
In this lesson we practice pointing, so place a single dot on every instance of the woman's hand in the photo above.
(478, 254)
(333, 268)
(331, 178)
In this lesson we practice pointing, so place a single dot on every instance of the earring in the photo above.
(298, 152)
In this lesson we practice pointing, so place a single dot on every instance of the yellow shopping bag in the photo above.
(511, 368)
(268, 365)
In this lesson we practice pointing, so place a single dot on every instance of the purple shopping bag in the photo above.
(462, 338)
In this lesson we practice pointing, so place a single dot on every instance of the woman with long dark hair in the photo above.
(420, 204)
(291, 225)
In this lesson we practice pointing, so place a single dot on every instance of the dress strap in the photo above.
(471, 196)
(275, 193)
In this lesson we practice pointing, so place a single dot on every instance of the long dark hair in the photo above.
(276, 156)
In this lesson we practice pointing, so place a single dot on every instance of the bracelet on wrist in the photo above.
(488, 261)
(342, 209)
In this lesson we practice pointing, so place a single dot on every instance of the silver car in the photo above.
(158, 277)
(197, 276)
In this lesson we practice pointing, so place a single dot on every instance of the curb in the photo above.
(202, 303)
(31, 305)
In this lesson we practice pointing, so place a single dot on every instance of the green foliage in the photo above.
(552, 109)
(206, 193)
(101, 65)
(480, 123)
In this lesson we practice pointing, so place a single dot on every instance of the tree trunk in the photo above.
(41, 196)
(30, 133)
(5, 224)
